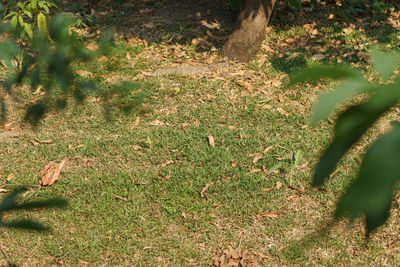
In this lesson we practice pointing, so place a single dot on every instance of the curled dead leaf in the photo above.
(10, 177)
(167, 163)
(233, 163)
(84, 73)
(136, 123)
(203, 191)
(51, 172)
(278, 185)
(211, 140)
(92, 47)
(268, 215)
(257, 157)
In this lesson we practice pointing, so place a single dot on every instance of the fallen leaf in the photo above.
(74, 190)
(167, 163)
(120, 198)
(138, 183)
(267, 214)
(282, 111)
(278, 185)
(47, 141)
(136, 148)
(156, 123)
(83, 73)
(292, 198)
(2, 190)
(34, 143)
(51, 172)
(255, 170)
(284, 157)
(203, 190)
(136, 123)
(218, 226)
(267, 149)
(211, 140)
(318, 57)
(246, 85)
(257, 157)
(8, 126)
(92, 47)
(128, 56)
(10, 177)
(233, 163)
(267, 189)
(334, 173)
(71, 147)
(102, 58)
(183, 215)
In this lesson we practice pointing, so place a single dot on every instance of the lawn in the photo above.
(204, 163)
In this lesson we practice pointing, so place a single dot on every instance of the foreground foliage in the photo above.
(372, 192)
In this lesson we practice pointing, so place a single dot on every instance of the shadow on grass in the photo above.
(208, 23)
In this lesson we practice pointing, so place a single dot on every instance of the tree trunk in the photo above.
(246, 39)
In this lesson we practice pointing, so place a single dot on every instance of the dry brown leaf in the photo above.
(51, 172)
(284, 157)
(293, 198)
(8, 126)
(47, 141)
(84, 73)
(128, 56)
(203, 191)
(92, 47)
(211, 140)
(34, 143)
(267, 149)
(267, 189)
(71, 147)
(10, 177)
(267, 214)
(167, 163)
(74, 190)
(282, 111)
(183, 215)
(255, 170)
(257, 157)
(136, 148)
(247, 85)
(233, 163)
(278, 185)
(218, 226)
(102, 58)
(266, 106)
(120, 198)
(318, 57)
(136, 123)
(2, 190)
(156, 123)
(334, 173)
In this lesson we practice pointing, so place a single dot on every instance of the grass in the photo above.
(127, 208)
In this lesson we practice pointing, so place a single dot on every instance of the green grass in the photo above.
(127, 209)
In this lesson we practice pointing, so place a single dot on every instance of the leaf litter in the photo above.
(51, 172)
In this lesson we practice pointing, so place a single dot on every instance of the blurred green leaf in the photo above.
(351, 125)
(318, 72)
(41, 22)
(372, 192)
(385, 63)
(328, 101)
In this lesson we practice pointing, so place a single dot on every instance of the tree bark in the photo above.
(246, 39)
